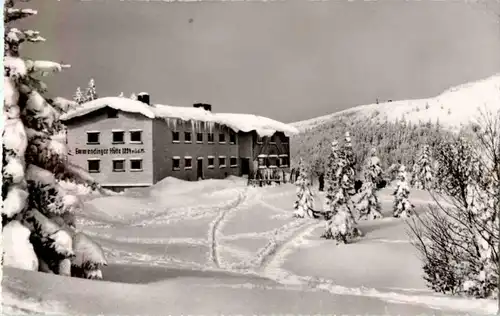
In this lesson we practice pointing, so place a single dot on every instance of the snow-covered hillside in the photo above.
(220, 247)
(454, 107)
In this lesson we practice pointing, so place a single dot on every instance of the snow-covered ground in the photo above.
(220, 247)
(453, 108)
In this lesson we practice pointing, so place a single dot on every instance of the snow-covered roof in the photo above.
(238, 122)
(122, 104)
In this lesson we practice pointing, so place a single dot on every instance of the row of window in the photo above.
(188, 162)
(118, 137)
(176, 137)
(119, 165)
(135, 137)
(273, 161)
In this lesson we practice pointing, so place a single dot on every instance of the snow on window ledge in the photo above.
(136, 170)
(176, 169)
(188, 168)
(176, 141)
(234, 166)
(222, 166)
(188, 142)
(210, 167)
(273, 167)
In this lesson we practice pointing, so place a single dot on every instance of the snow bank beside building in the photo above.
(238, 122)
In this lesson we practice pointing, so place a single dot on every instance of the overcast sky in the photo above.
(288, 60)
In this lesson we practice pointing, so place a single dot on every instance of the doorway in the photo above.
(245, 166)
(199, 169)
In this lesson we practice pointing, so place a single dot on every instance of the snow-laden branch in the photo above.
(45, 67)
(13, 14)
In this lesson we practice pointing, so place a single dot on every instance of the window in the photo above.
(94, 165)
(188, 163)
(232, 138)
(259, 139)
(222, 161)
(272, 161)
(272, 139)
(187, 137)
(136, 164)
(175, 137)
(262, 160)
(284, 161)
(136, 137)
(199, 137)
(210, 137)
(112, 113)
(176, 163)
(211, 162)
(118, 165)
(233, 162)
(93, 138)
(222, 138)
(118, 137)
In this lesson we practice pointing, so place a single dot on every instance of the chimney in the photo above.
(143, 97)
(205, 106)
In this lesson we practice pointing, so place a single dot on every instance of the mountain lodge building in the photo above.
(127, 143)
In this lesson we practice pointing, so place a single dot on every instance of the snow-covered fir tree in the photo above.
(91, 93)
(304, 205)
(78, 97)
(133, 96)
(368, 206)
(422, 173)
(340, 224)
(402, 206)
(38, 214)
(121, 95)
(349, 171)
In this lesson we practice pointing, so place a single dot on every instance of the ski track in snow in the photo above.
(217, 224)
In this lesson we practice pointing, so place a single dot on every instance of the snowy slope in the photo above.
(454, 107)
(233, 249)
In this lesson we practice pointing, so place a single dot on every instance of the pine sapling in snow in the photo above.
(368, 206)
(133, 96)
(78, 97)
(422, 173)
(340, 225)
(90, 93)
(402, 206)
(305, 203)
(38, 213)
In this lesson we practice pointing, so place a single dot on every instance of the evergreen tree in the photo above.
(402, 206)
(368, 206)
(133, 96)
(121, 95)
(305, 203)
(90, 93)
(422, 173)
(33, 144)
(78, 97)
(340, 225)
